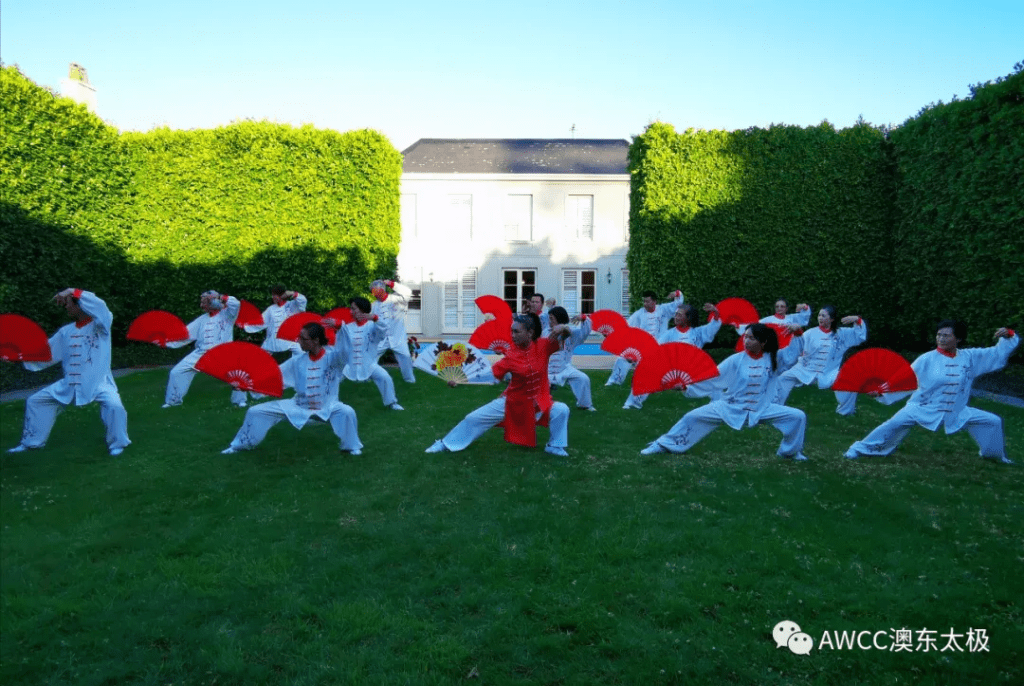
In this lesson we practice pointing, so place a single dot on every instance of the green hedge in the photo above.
(959, 231)
(800, 213)
(150, 220)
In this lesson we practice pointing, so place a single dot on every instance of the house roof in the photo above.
(516, 156)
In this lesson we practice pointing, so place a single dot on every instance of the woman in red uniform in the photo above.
(527, 400)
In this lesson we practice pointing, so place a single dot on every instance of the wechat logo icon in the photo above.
(788, 634)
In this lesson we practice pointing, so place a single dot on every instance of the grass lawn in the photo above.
(294, 564)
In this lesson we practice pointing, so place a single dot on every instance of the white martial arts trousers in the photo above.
(490, 415)
(259, 419)
(180, 380)
(619, 371)
(696, 424)
(385, 385)
(578, 382)
(404, 362)
(787, 382)
(984, 427)
(42, 408)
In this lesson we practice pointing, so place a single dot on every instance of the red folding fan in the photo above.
(673, 365)
(493, 335)
(606, 321)
(245, 366)
(875, 370)
(492, 304)
(158, 327)
(737, 312)
(248, 315)
(630, 343)
(289, 329)
(340, 314)
(22, 340)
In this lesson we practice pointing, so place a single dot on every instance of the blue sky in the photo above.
(514, 70)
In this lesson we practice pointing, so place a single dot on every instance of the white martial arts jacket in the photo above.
(798, 318)
(273, 317)
(392, 313)
(561, 361)
(315, 382)
(745, 386)
(360, 344)
(822, 352)
(210, 330)
(84, 352)
(697, 336)
(655, 322)
(944, 383)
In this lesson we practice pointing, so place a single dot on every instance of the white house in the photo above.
(511, 217)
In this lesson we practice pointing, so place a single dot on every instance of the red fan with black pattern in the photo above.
(245, 366)
(673, 366)
(737, 312)
(782, 331)
(493, 335)
(289, 330)
(22, 340)
(875, 370)
(606, 321)
(493, 305)
(248, 315)
(159, 328)
(630, 343)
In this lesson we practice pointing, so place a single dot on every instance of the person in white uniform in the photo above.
(362, 337)
(315, 374)
(213, 327)
(284, 304)
(686, 330)
(944, 379)
(745, 389)
(652, 318)
(83, 349)
(560, 368)
(822, 355)
(391, 308)
(802, 316)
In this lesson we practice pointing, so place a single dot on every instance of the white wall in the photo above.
(434, 247)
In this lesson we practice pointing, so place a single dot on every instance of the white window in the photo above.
(518, 218)
(518, 285)
(460, 217)
(409, 215)
(459, 302)
(624, 302)
(579, 216)
(579, 291)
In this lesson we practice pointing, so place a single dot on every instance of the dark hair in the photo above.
(537, 295)
(769, 341)
(649, 294)
(959, 328)
(831, 309)
(782, 300)
(691, 314)
(531, 321)
(316, 332)
(278, 289)
(559, 313)
(362, 303)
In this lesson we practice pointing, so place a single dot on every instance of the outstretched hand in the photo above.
(850, 319)
(1003, 332)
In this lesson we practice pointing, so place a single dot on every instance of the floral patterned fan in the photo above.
(674, 365)
(875, 370)
(22, 340)
(245, 366)
(455, 361)
(159, 328)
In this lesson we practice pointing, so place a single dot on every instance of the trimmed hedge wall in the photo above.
(959, 236)
(905, 230)
(150, 220)
(762, 214)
